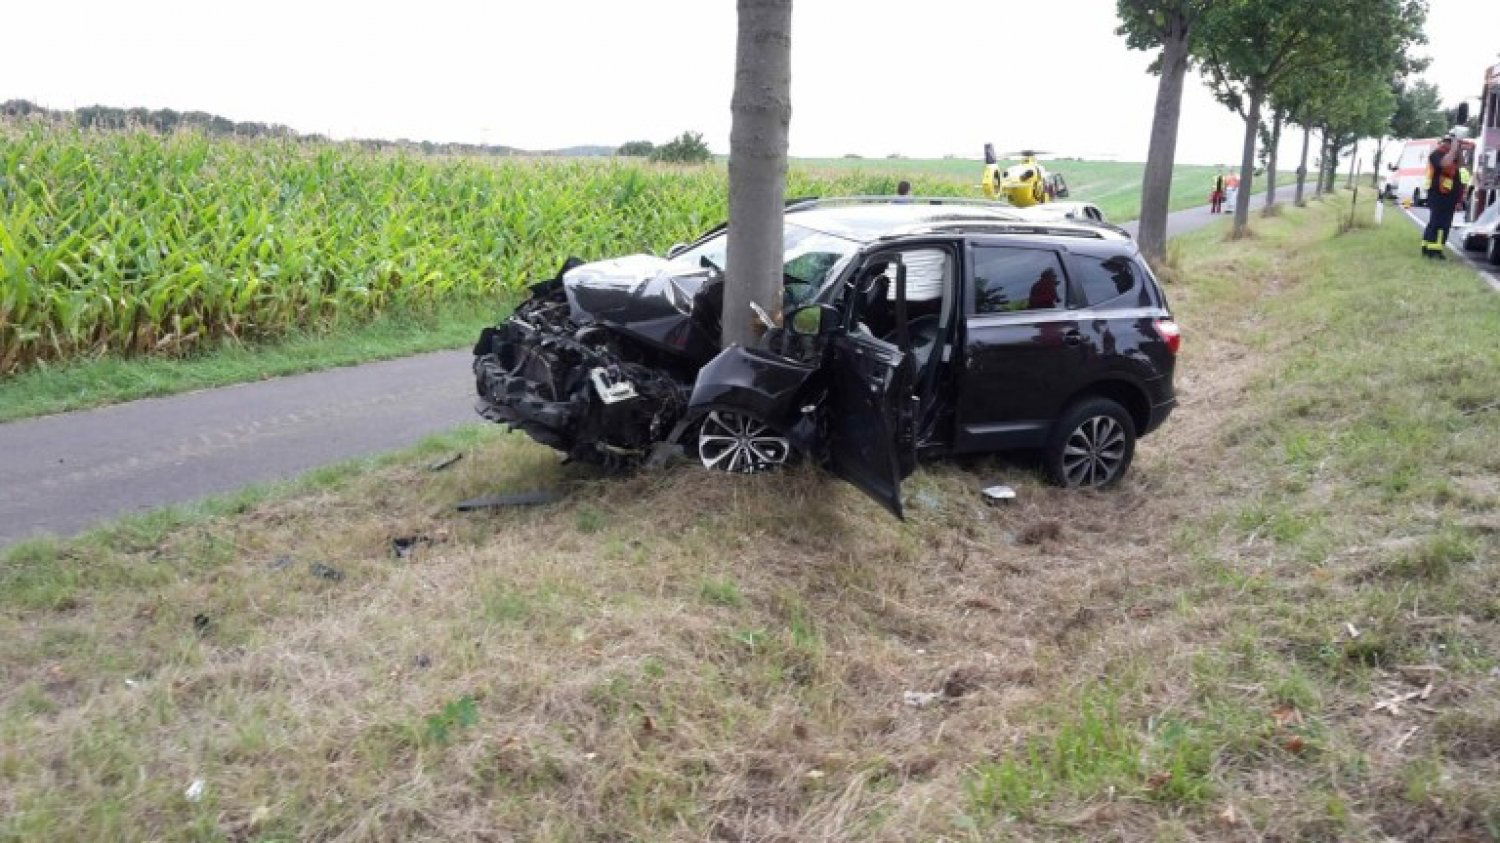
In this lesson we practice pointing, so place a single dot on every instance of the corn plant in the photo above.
(138, 243)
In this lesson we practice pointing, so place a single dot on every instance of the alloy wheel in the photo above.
(1094, 452)
(740, 443)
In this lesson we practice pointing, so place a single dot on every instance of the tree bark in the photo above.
(1247, 163)
(1353, 159)
(1271, 161)
(1156, 184)
(1322, 163)
(761, 111)
(1302, 167)
(1379, 153)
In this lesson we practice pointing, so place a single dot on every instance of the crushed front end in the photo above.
(591, 364)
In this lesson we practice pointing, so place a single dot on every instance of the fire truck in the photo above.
(1487, 153)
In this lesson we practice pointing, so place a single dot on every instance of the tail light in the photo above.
(1169, 333)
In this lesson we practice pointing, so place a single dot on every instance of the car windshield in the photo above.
(809, 259)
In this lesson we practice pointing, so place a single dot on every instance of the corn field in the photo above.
(132, 242)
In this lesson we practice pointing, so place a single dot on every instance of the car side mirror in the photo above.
(677, 249)
(814, 320)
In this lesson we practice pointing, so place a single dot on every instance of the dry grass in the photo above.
(684, 656)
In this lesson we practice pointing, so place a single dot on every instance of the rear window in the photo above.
(1102, 279)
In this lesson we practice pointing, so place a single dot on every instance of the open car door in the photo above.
(871, 427)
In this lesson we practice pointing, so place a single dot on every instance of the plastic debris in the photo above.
(445, 462)
(534, 498)
(403, 546)
(326, 572)
(194, 791)
(998, 494)
(920, 699)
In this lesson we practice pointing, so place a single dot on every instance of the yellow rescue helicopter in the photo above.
(1023, 185)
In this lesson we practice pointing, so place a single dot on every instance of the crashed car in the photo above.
(914, 329)
(1483, 234)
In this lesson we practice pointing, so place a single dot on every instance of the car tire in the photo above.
(1091, 445)
(1416, 197)
(1471, 243)
(739, 443)
(1493, 252)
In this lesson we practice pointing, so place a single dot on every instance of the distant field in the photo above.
(1114, 186)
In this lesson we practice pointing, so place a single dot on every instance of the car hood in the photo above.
(651, 299)
(630, 289)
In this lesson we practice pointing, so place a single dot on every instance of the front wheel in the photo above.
(1091, 446)
(1416, 197)
(740, 443)
(1493, 252)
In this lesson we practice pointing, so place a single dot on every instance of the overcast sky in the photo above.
(923, 79)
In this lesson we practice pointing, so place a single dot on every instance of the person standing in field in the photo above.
(1231, 188)
(1444, 188)
(1216, 197)
(903, 191)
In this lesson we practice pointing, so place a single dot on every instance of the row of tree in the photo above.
(686, 148)
(1340, 68)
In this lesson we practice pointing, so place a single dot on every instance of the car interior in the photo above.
(930, 305)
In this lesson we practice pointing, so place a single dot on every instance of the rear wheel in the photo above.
(1493, 252)
(1091, 446)
(1416, 196)
(740, 443)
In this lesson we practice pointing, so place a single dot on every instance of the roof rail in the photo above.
(1008, 227)
(888, 199)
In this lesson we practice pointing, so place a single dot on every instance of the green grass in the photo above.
(1115, 186)
(677, 655)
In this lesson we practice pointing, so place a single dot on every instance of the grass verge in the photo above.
(1284, 625)
(76, 385)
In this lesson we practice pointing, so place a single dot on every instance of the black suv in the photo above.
(923, 328)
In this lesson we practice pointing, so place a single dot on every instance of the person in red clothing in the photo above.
(1216, 197)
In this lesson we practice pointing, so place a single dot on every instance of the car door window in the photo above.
(1102, 279)
(1007, 280)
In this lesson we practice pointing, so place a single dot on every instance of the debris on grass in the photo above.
(1352, 630)
(920, 699)
(533, 498)
(201, 623)
(402, 546)
(327, 572)
(194, 791)
(998, 494)
(445, 462)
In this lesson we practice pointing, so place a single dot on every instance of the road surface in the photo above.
(59, 474)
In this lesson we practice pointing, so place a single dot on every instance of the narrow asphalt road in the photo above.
(59, 474)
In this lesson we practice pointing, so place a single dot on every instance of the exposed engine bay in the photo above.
(598, 362)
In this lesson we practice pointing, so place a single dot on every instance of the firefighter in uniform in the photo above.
(1444, 188)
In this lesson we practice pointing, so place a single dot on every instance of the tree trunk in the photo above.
(1379, 153)
(1156, 184)
(1247, 163)
(1271, 161)
(1353, 157)
(1302, 167)
(760, 111)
